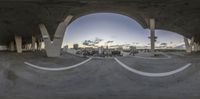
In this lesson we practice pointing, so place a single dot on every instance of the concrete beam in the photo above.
(53, 48)
(18, 41)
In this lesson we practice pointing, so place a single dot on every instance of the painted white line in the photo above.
(102, 57)
(56, 69)
(167, 56)
(153, 74)
(149, 57)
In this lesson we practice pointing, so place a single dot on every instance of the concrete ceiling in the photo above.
(21, 17)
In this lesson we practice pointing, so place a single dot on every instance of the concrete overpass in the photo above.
(24, 21)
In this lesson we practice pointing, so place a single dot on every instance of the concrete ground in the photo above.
(97, 79)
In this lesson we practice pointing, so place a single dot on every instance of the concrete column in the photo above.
(152, 35)
(198, 47)
(33, 47)
(53, 48)
(39, 45)
(195, 47)
(188, 44)
(12, 46)
(18, 41)
(28, 46)
(25, 47)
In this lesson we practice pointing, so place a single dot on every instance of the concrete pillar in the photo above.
(188, 45)
(12, 46)
(195, 47)
(198, 49)
(25, 47)
(152, 35)
(53, 48)
(28, 46)
(39, 45)
(18, 41)
(33, 47)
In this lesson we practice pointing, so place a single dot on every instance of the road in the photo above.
(97, 79)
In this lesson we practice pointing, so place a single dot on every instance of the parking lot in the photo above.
(97, 78)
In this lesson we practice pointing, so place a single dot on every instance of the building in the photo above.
(75, 46)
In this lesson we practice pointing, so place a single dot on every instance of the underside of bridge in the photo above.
(22, 17)
(79, 74)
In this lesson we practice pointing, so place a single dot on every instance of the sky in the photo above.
(118, 28)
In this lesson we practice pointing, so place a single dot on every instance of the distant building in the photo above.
(100, 50)
(120, 48)
(75, 46)
(132, 48)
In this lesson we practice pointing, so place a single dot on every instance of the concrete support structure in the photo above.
(188, 44)
(198, 47)
(152, 35)
(195, 47)
(12, 46)
(28, 46)
(33, 47)
(191, 46)
(18, 41)
(39, 44)
(53, 48)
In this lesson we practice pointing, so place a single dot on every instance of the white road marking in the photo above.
(153, 74)
(149, 57)
(167, 57)
(56, 69)
(102, 57)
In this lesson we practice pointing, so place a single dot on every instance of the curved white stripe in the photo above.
(153, 74)
(150, 57)
(167, 56)
(56, 69)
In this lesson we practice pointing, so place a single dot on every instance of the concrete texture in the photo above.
(22, 17)
(152, 35)
(33, 47)
(97, 79)
(18, 43)
(53, 47)
(12, 46)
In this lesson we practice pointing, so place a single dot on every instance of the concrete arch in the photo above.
(138, 17)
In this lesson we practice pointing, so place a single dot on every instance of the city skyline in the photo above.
(117, 28)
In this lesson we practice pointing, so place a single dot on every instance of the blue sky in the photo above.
(114, 27)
